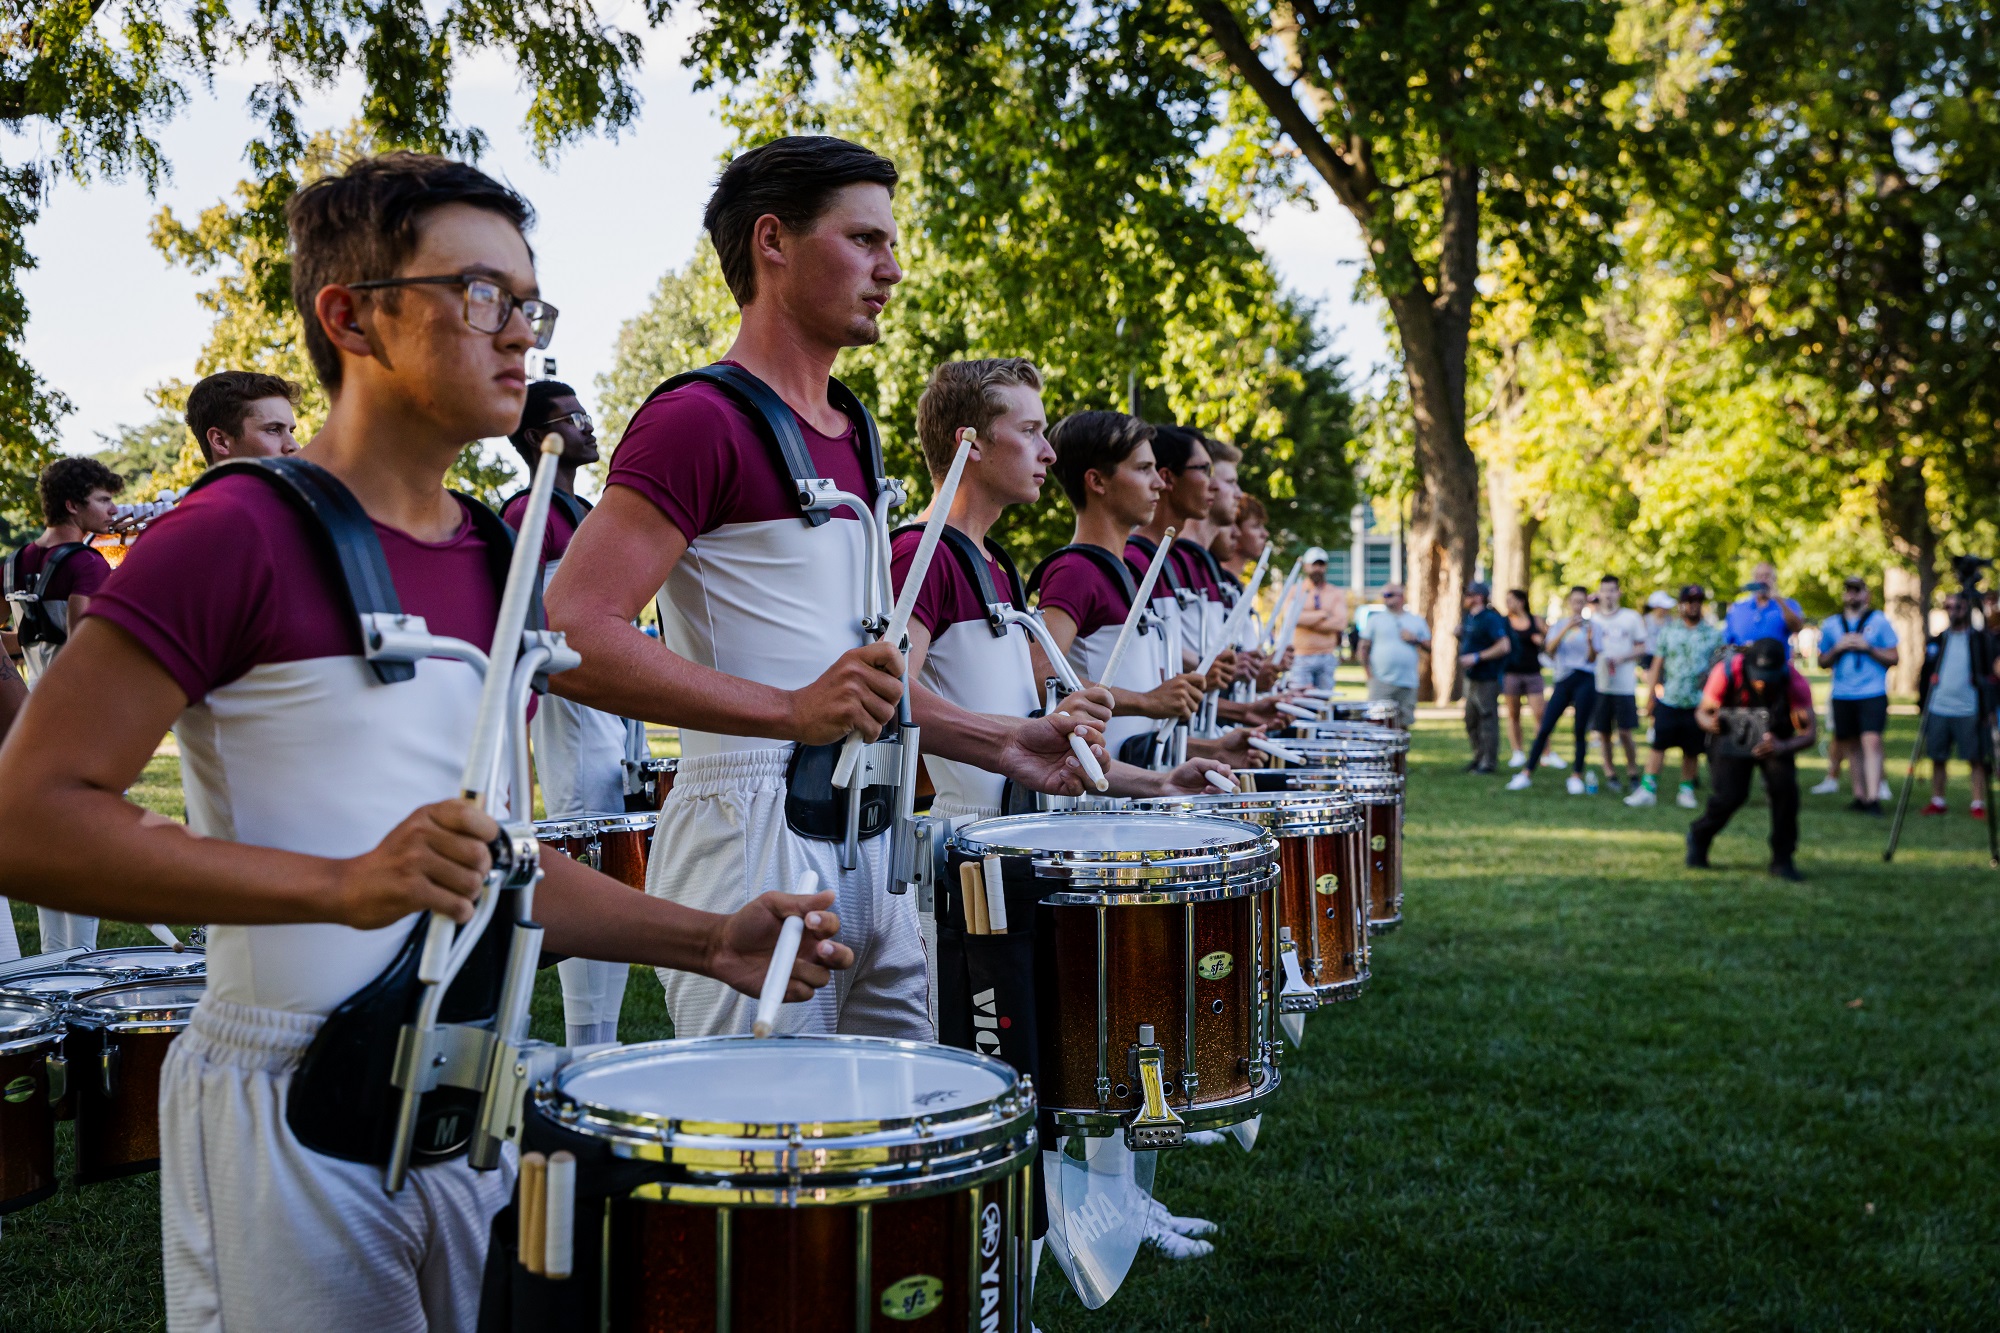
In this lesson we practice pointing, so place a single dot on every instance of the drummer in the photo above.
(761, 610)
(322, 801)
(580, 753)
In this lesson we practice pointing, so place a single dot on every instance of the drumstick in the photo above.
(1284, 595)
(167, 937)
(1067, 675)
(996, 896)
(906, 601)
(1293, 710)
(778, 975)
(559, 1216)
(1139, 601)
(1277, 751)
(533, 1198)
(1217, 781)
(1234, 625)
(972, 891)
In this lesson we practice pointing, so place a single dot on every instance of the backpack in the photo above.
(37, 623)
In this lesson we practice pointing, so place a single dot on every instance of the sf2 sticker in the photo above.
(1214, 966)
(1327, 884)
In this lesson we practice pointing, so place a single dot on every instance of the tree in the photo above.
(1447, 130)
(95, 79)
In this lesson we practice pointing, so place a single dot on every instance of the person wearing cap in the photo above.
(1764, 614)
(1685, 650)
(1483, 647)
(1759, 677)
(1658, 615)
(1858, 645)
(1321, 623)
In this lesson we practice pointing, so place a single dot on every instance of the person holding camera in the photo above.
(1956, 694)
(1859, 646)
(1764, 614)
(1759, 711)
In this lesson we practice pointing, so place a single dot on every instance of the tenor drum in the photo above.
(144, 962)
(58, 987)
(1154, 995)
(1321, 906)
(118, 1039)
(30, 1036)
(733, 1183)
(614, 844)
(1380, 793)
(647, 782)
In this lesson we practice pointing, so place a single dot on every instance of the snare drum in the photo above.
(647, 782)
(1154, 996)
(1375, 712)
(1322, 898)
(787, 1183)
(30, 1035)
(614, 844)
(118, 1039)
(144, 962)
(1380, 793)
(58, 987)
(1335, 743)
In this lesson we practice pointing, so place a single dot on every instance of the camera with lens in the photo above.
(1967, 568)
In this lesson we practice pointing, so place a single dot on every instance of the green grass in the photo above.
(1588, 1089)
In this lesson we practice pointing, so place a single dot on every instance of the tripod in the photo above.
(1967, 568)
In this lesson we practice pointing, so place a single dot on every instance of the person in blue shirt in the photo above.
(1764, 614)
(1858, 646)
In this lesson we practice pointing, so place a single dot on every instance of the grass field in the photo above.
(1588, 1089)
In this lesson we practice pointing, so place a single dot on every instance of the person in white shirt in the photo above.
(1618, 638)
(1567, 646)
(1394, 638)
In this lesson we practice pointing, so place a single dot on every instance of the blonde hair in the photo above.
(966, 393)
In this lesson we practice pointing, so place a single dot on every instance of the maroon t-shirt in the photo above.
(231, 580)
(949, 595)
(555, 537)
(81, 573)
(1075, 584)
(697, 458)
(1195, 573)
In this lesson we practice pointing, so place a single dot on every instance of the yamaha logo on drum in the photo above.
(989, 1272)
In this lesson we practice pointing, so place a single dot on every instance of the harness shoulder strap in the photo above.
(1116, 569)
(1231, 589)
(342, 531)
(573, 507)
(780, 428)
(973, 562)
(1168, 574)
(57, 556)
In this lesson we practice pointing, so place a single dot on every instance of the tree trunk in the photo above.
(1906, 599)
(1903, 502)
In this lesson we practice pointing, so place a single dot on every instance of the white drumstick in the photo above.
(1277, 751)
(1138, 609)
(1059, 664)
(1284, 597)
(1091, 769)
(778, 975)
(1293, 710)
(167, 937)
(906, 601)
(1217, 781)
(1234, 625)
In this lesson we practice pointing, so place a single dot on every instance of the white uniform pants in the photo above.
(722, 840)
(66, 930)
(579, 760)
(260, 1232)
(10, 941)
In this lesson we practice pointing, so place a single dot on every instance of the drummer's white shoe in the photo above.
(1157, 1217)
(1203, 1138)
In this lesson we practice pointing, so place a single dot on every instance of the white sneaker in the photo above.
(1887, 793)
(1202, 1138)
(1520, 782)
(1176, 1246)
(1191, 1227)
(1554, 760)
(1518, 760)
(1686, 800)
(1575, 785)
(1826, 788)
(1642, 797)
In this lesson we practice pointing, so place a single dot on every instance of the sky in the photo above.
(109, 318)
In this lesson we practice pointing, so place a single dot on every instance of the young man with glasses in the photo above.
(323, 800)
(762, 648)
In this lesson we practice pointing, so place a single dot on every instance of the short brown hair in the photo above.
(1251, 509)
(1220, 451)
(362, 224)
(222, 400)
(966, 393)
(794, 180)
(1088, 442)
(69, 481)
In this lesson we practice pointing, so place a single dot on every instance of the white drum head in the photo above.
(20, 1018)
(146, 996)
(781, 1081)
(1108, 831)
(59, 984)
(143, 959)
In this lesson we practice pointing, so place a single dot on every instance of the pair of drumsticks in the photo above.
(548, 1214)
(985, 897)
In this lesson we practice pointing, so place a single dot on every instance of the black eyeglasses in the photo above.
(488, 305)
(580, 420)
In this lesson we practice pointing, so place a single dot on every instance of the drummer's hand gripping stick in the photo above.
(1279, 752)
(488, 1057)
(1093, 772)
(778, 976)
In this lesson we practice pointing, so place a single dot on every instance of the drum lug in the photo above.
(1156, 1125)
(107, 1067)
(56, 1068)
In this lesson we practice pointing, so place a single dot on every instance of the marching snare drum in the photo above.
(1322, 898)
(614, 844)
(1375, 712)
(647, 782)
(738, 1183)
(30, 1034)
(1380, 793)
(144, 962)
(1351, 742)
(118, 1039)
(1154, 996)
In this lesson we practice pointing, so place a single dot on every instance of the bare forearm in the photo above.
(952, 732)
(589, 915)
(631, 675)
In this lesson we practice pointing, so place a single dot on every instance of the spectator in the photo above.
(243, 414)
(1521, 673)
(1659, 614)
(1684, 652)
(1484, 645)
(1568, 648)
(1322, 620)
(1394, 638)
(1617, 641)
(1757, 678)
(1764, 614)
(1956, 692)
(1859, 646)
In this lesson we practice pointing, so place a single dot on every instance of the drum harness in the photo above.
(43, 621)
(1143, 750)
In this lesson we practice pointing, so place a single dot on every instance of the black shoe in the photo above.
(1486, 769)
(1873, 809)
(1697, 854)
(1859, 805)
(1472, 767)
(1785, 870)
